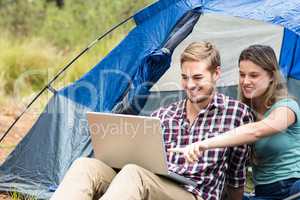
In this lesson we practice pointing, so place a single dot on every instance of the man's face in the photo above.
(198, 81)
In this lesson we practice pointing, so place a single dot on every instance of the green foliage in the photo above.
(77, 23)
(25, 64)
(249, 182)
(37, 38)
(21, 17)
(82, 21)
(19, 196)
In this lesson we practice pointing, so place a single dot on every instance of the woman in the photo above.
(276, 133)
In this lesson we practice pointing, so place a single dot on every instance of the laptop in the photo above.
(129, 139)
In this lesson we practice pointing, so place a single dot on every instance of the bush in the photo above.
(77, 23)
(21, 17)
(37, 38)
(25, 64)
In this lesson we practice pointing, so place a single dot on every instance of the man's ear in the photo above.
(217, 73)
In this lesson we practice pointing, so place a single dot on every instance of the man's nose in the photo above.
(190, 83)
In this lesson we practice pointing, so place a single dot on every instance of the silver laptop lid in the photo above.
(122, 139)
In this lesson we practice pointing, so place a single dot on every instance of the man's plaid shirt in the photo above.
(216, 165)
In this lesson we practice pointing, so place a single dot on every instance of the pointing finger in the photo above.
(176, 150)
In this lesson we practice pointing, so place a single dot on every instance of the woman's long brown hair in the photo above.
(264, 57)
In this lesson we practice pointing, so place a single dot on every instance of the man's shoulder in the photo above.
(230, 102)
(241, 108)
(171, 108)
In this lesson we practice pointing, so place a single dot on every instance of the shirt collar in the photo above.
(217, 102)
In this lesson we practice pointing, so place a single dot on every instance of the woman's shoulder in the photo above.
(286, 102)
(290, 103)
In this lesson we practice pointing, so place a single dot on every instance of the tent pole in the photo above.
(61, 71)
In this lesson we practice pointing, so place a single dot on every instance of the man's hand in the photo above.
(191, 152)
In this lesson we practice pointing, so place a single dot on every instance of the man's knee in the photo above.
(133, 168)
(133, 171)
(138, 176)
(92, 168)
(84, 162)
(88, 166)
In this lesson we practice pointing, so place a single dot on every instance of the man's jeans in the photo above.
(278, 190)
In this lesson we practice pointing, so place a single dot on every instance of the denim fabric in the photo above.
(276, 191)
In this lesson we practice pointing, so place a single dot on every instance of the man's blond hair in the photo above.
(202, 51)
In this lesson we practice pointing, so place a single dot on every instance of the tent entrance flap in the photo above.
(154, 66)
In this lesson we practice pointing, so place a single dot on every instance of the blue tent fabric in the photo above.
(143, 81)
(60, 135)
(154, 66)
(284, 13)
(43, 156)
(151, 68)
(290, 55)
(280, 12)
(122, 63)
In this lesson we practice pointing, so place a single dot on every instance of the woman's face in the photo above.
(254, 80)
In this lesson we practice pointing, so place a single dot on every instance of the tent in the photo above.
(136, 78)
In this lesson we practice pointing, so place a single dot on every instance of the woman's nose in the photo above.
(247, 80)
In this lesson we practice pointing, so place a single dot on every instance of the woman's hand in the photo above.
(191, 152)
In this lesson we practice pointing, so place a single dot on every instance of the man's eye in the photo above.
(198, 78)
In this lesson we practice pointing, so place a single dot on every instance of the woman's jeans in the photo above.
(278, 190)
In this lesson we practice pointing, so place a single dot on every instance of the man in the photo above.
(203, 114)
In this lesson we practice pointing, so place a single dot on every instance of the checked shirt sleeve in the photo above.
(236, 174)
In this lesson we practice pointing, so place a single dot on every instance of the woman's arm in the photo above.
(278, 120)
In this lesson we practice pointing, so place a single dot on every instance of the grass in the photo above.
(19, 196)
(26, 65)
(37, 39)
(3, 146)
(16, 196)
(249, 183)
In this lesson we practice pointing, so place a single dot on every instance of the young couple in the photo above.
(207, 135)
